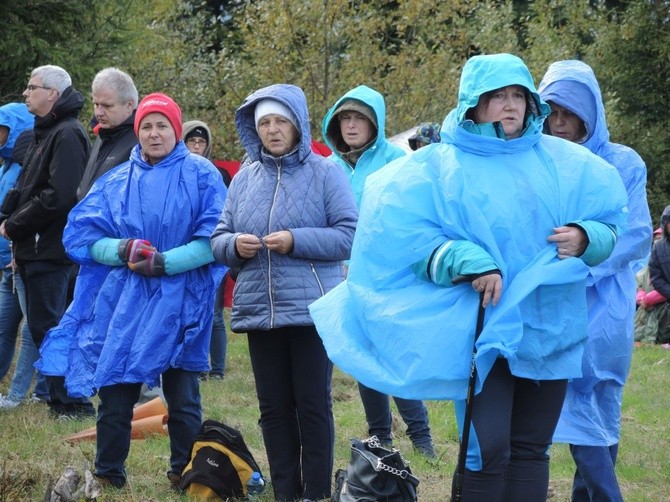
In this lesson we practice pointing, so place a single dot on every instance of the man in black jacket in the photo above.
(114, 102)
(47, 190)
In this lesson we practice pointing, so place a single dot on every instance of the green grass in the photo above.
(32, 449)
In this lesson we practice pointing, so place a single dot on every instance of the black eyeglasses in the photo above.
(32, 87)
(196, 141)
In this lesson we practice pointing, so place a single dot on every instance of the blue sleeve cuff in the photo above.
(106, 251)
(602, 238)
(188, 257)
(453, 259)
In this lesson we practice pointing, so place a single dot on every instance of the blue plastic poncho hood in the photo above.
(377, 155)
(410, 338)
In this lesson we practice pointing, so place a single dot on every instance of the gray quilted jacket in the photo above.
(301, 192)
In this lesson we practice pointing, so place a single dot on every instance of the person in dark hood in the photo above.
(46, 191)
(287, 225)
(659, 262)
(590, 421)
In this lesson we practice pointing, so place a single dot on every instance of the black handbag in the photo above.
(375, 474)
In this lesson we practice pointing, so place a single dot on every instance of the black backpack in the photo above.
(220, 465)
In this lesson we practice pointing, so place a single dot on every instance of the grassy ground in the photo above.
(32, 449)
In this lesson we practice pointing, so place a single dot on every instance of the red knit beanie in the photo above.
(159, 103)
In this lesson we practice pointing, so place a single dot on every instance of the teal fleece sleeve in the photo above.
(602, 238)
(452, 259)
(180, 259)
(188, 257)
(106, 251)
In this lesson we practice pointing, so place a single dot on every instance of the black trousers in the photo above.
(46, 285)
(293, 383)
(513, 421)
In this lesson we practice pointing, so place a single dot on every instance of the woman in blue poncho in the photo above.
(590, 420)
(143, 300)
(523, 214)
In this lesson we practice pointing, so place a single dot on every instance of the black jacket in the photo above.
(659, 262)
(111, 148)
(48, 183)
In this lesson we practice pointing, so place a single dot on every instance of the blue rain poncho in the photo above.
(123, 327)
(16, 118)
(592, 409)
(412, 338)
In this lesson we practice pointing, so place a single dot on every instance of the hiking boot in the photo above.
(175, 481)
(426, 450)
(109, 482)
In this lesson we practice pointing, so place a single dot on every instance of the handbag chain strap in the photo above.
(381, 466)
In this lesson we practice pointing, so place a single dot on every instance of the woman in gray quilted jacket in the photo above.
(287, 225)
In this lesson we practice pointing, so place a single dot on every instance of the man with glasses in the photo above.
(34, 221)
(115, 99)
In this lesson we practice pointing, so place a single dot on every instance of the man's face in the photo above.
(39, 99)
(108, 109)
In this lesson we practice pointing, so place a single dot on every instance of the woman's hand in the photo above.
(570, 241)
(491, 286)
(281, 241)
(247, 245)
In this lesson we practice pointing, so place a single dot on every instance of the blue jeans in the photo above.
(378, 415)
(28, 354)
(13, 302)
(10, 318)
(115, 413)
(595, 477)
(219, 341)
(46, 287)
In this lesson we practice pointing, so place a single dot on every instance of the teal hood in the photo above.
(367, 96)
(482, 74)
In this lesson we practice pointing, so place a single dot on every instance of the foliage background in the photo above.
(210, 54)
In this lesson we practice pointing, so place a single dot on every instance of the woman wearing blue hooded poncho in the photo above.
(523, 213)
(590, 420)
(142, 305)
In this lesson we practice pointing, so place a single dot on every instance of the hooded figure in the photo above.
(287, 225)
(359, 163)
(496, 197)
(14, 118)
(198, 129)
(592, 409)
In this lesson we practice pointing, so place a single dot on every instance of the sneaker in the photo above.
(7, 403)
(34, 398)
(216, 376)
